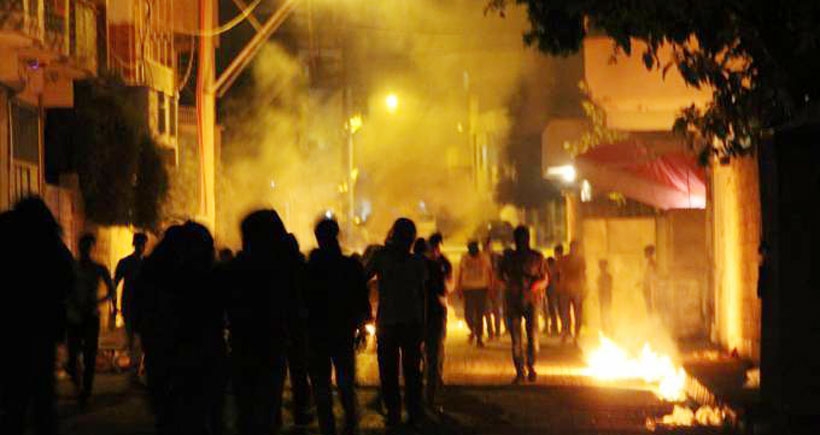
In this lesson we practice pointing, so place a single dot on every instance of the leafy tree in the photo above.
(122, 175)
(758, 56)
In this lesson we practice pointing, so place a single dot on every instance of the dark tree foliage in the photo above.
(122, 175)
(759, 56)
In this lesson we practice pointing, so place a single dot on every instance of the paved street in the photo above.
(478, 398)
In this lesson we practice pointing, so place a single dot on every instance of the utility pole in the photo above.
(209, 87)
(206, 110)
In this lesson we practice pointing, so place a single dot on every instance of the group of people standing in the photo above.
(522, 284)
(204, 324)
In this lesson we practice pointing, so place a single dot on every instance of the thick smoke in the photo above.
(452, 71)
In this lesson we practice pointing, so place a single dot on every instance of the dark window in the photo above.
(162, 119)
(25, 133)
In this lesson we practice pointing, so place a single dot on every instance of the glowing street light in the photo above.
(392, 102)
(566, 172)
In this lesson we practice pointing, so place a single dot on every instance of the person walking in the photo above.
(524, 276)
(180, 315)
(399, 322)
(492, 310)
(38, 273)
(336, 298)
(551, 303)
(495, 293)
(263, 288)
(127, 272)
(435, 321)
(573, 282)
(474, 278)
(297, 349)
(83, 314)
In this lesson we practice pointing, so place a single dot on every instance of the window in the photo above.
(25, 133)
(162, 113)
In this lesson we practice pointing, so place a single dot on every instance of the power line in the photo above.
(230, 25)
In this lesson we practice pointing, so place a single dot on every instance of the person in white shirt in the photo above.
(474, 279)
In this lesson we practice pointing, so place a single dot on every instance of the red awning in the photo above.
(652, 168)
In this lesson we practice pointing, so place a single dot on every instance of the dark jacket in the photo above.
(336, 295)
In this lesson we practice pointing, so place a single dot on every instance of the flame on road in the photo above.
(610, 362)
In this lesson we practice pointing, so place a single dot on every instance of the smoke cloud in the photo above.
(450, 71)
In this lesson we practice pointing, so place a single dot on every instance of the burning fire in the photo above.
(609, 362)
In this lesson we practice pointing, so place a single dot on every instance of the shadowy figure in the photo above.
(225, 256)
(525, 278)
(263, 283)
(84, 316)
(297, 351)
(439, 272)
(573, 270)
(605, 295)
(179, 314)
(127, 271)
(336, 298)
(399, 321)
(492, 310)
(552, 311)
(439, 277)
(38, 274)
(650, 279)
(474, 279)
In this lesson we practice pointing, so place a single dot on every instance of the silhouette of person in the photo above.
(225, 256)
(263, 281)
(573, 270)
(492, 311)
(38, 273)
(180, 317)
(650, 279)
(439, 271)
(605, 295)
(297, 352)
(551, 302)
(474, 279)
(524, 276)
(399, 321)
(127, 271)
(84, 316)
(336, 297)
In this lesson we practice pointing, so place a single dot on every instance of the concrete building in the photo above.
(707, 231)
(45, 45)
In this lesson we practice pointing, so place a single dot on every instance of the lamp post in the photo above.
(353, 125)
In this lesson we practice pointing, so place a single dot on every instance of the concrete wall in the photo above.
(735, 229)
(620, 241)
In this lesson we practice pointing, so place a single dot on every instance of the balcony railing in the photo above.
(62, 29)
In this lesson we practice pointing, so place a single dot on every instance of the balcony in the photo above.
(61, 32)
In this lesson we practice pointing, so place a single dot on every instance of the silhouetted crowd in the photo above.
(208, 323)
(250, 321)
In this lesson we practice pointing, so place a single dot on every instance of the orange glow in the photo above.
(610, 362)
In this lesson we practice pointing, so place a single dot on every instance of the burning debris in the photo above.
(682, 415)
(610, 362)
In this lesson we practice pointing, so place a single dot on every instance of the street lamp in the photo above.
(392, 102)
(353, 125)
